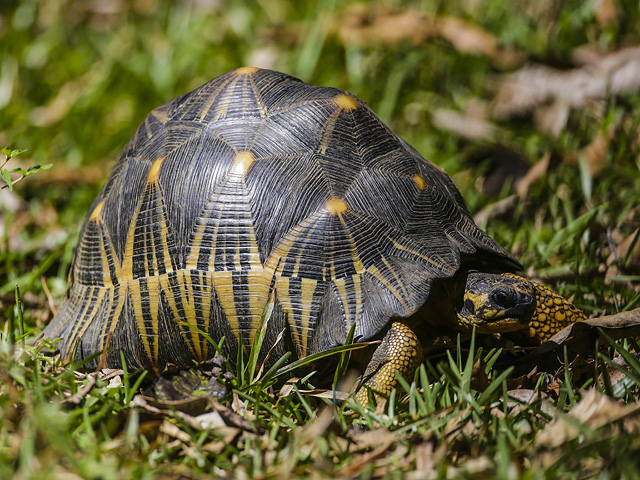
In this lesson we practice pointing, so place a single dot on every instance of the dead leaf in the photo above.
(552, 118)
(197, 413)
(427, 458)
(84, 391)
(316, 427)
(211, 420)
(366, 24)
(619, 325)
(479, 378)
(595, 153)
(465, 125)
(354, 467)
(530, 87)
(534, 174)
(467, 37)
(373, 438)
(594, 411)
(496, 210)
(226, 436)
(524, 395)
(369, 25)
(174, 431)
(614, 375)
(622, 250)
(606, 12)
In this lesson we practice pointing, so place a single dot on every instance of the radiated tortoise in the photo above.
(257, 186)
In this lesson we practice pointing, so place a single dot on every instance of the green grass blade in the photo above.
(322, 355)
(343, 363)
(314, 41)
(485, 396)
(205, 335)
(273, 371)
(256, 347)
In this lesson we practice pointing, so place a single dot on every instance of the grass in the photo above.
(76, 80)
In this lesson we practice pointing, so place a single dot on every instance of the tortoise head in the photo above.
(497, 303)
(506, 302)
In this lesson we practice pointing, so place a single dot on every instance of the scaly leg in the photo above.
(399, 351)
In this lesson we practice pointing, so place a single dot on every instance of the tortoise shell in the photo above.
(259, 189)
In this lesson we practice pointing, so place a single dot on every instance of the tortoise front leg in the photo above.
(399, 351)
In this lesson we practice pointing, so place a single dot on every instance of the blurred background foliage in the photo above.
(547, 162)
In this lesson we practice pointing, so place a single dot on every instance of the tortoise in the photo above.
(257, 188)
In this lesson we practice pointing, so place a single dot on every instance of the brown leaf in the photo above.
(534, 174)
(606, 12)
(373, 438)
(479, 378)
(467, 37)
(552, 118)
(619, 325)
(465, 125)
(622, 250)
(316, 427)
(427, 458)
(366, 24)
(172, 430)
(594, 155)
(535, 85)
(527, 381)
(524, 395)
(201, 413)
(227, 435)
(594, 411)
(354, 467)
(614, 375)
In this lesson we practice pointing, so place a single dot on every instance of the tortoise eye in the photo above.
(470, 306)
(505, 299)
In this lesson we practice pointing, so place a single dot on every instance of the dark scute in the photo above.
(188, 179)
(381, 194)
(281, 92)
(331, 330)
(126, 339)
(300, 124)
(120, 204)
(378, 145)
(275, 184)
(340, 160)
